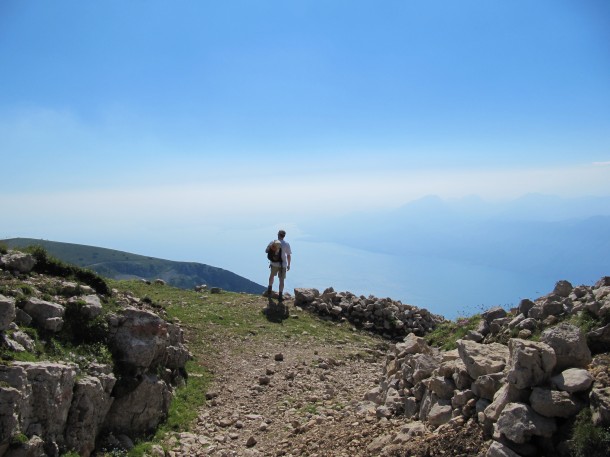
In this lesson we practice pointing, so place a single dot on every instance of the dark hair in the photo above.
(281, 233)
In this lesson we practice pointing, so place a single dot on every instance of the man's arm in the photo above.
(288, 257)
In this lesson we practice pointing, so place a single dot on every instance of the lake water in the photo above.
(442, 286)
(446, 287)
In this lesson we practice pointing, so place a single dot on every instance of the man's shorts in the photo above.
(279, 271)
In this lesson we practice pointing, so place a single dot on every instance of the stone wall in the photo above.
(49, 408)
(384, 316)
(525, 393)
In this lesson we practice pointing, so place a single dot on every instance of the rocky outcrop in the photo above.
(524, 394)
(49, 408)
(385, 316)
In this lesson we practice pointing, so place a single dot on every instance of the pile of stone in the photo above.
(525, 394)
(49, 408)
(384, 316)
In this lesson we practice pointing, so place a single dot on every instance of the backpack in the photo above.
(272, 255)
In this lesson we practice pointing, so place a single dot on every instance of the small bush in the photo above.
(51, 266)
(447, 333)
(19, 439)
(79, 329)
(589, 440)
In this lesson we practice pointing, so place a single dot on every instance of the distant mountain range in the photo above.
(123, 265)
(562, 237)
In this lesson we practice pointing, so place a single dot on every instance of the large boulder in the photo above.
(46, 314)
(507, 394)
(91, 402)
(518, 422)
(412, 344)
(48, 393)
(569, 344)
(7, 312)
(563, 289)
(18, 261)
(482, 359)
(304, 297)
(494, 313)
(139, 409)
(487, 385)
(573, 380)
(418, 367)
(554, 403)
(550, 305)
(139, 339)
(530, 364)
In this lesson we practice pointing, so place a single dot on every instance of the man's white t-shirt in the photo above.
(286, 251)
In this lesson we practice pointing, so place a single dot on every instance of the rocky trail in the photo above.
(303, 398)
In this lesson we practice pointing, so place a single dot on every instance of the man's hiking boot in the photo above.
(280, 298)
(268, 292)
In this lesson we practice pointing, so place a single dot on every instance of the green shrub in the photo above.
(51, 266)
(589, 440)
(79, 329)
(447, 333)
(26, 289)
(19, 439)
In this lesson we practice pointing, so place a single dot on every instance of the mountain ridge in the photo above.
(117, 264)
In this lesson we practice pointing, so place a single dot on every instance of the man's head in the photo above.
(281, 234)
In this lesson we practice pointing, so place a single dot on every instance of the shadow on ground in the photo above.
(276, 311)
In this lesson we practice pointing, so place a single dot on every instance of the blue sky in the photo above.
(124, 124)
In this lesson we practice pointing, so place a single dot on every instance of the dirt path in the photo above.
(292, 398)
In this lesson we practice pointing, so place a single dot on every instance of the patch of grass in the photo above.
(26, 290)
(310, 409)
(447, 333)
(589, 440)
(18, 439)
(181, 413)
(585, 320)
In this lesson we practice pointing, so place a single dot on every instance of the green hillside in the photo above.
(123, 265)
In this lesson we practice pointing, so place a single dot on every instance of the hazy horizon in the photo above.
(453, 256)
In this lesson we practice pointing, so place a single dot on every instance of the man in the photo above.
(280, 267)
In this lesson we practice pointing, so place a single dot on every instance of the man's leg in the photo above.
(282, 276)
(270, 287)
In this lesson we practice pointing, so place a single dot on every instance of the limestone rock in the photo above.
(18, 261)
(573, 380)
(482, 359)
(600, 405)
(518, 422)
(530, 364)
(569, 344)
(554, 403)
(46, 314)
(88, 411)
(139, 339)
(141, 408)
(507, 394)
(7, 312)
(500, 450)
